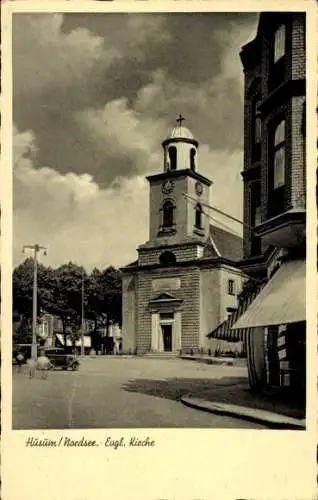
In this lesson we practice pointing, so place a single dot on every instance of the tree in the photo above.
(67, 297)
(22, 295)
(111, 286)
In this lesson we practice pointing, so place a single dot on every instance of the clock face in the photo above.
(198, 188)
(167, 187)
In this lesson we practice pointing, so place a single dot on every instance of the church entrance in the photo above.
(167, 337)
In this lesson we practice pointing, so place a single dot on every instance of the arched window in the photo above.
(279, 43)
(192, 158)
(278, 65)
(173, 157)
(198, 216)
(277, 145)
(279, 155)
(168, 214)
(167, 259)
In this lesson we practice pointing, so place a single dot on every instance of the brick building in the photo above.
(185, 280)
(274, 179)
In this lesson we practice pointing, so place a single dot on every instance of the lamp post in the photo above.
(36, 249)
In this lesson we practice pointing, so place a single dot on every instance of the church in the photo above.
(185, 281)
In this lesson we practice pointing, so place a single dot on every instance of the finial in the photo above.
(180, 119)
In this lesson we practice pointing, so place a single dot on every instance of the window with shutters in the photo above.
(279, 156)
(277, 167)
(277, 72)
(280, 43)
(231, 287)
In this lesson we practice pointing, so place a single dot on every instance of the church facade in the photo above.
(185, 281)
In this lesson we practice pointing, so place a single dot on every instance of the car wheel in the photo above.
(52, 365)
(75, 366)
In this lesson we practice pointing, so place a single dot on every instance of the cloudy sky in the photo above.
(94, 96)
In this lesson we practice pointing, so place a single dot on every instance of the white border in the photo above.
(185, 464)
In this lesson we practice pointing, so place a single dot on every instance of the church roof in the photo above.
(224, 244)
(180, 133)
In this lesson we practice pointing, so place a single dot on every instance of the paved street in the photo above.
(110, 392)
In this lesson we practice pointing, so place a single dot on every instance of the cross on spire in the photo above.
(180, 119)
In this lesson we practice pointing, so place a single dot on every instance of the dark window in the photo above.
(192, 158)
(168, 215)
(231, 287)
(167, 259)
(255, 220)
(166, 315)
(276, 201)
(230, 311)
(198, 216)
(173, 157)
(277, 58)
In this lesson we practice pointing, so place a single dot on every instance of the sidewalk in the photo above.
(211, 360)
(237, 400)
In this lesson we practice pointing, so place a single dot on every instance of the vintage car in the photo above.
(60, 358)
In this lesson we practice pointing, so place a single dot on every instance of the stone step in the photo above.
(160, 355)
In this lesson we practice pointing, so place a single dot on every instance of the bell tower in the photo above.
(180, 149)
(178, 195)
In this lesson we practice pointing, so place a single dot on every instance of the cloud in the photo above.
(94, 96)
(72, 216)
(79, 221)
(72, 66)
(124, 142)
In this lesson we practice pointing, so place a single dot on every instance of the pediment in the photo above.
(164, 302)
(163, 297)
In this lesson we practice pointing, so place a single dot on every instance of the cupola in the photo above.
(180, 148)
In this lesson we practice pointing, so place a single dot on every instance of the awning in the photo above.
(78, 343)
(282, 300)
(224, 330)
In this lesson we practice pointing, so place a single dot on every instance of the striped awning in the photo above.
(224, 330)
(282, 300)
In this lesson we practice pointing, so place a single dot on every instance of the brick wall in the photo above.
(190, 325)
(143, 315)
(298, 170)
(129, 313)
(182, 253)
(295, 161)
(189, 293)
(298, 47)
(210, 283)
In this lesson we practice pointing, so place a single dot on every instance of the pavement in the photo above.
(270, 419)
(116, 392)
(212, 360)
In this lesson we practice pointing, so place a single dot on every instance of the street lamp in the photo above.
(36, 249)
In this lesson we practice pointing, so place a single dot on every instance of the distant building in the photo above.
(185, 280)
(274, 179)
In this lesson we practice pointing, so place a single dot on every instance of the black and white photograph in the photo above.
(159, 220)
(158, 250)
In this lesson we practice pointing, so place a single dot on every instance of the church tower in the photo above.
(176, 291)
(179, 196)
